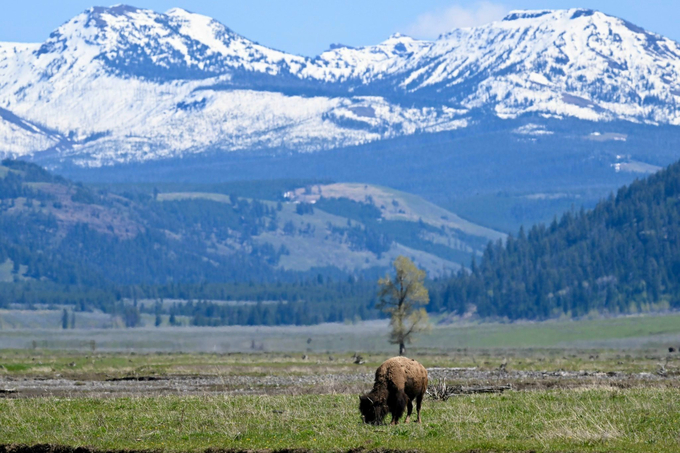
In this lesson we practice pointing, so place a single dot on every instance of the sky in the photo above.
(308, 27)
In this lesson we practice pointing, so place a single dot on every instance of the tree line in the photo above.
(303, 302)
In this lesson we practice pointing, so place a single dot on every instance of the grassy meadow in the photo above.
(621, 333)
(237, 398)
(602, 420)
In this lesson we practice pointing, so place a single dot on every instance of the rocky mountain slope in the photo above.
(122, 84)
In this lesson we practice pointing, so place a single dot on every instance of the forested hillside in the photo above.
(54, 230)
(621, 257)
(63, 232)
(222, 256)
(71, 247)
(241, 260)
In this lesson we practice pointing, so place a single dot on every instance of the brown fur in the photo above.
(398, 382)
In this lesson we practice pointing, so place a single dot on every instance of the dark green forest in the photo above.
(305, 302)
(621, 257)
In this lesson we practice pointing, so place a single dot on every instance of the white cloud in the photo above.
(431, 24)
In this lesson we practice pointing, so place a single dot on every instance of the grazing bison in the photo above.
(398, 382)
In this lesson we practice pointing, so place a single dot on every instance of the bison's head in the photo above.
(372, 410)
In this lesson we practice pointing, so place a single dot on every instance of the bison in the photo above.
(398, 382)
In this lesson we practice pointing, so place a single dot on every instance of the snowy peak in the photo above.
(366, 64)
(522, 14)
(149, 44)
(201, 28)
(233, 48)
(523, 63)
(176, 45)
(100, 14)
(568, 62)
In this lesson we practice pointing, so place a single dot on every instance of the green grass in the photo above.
(637, 420)
(623, 334)
(565, 333)
(77, 365)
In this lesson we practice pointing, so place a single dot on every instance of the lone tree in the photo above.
(403, 298)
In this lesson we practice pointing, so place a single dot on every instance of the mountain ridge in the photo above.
(124, 84)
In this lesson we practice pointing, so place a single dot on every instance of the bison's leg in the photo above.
(419, 402)
(410, 410)
(397, 402)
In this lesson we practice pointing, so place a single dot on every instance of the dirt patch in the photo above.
(29, 387)
(135, 378)
(316, 384)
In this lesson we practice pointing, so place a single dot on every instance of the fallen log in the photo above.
(441, 391)
(490, 389)
(135, 378)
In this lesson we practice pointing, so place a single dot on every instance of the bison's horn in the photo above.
(369, 399)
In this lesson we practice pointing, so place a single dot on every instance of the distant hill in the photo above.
(621, 257)
(354, 233)
(56, 230)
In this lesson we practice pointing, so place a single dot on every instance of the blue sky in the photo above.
(308, 27)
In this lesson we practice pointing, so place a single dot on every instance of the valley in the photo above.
(209, 245)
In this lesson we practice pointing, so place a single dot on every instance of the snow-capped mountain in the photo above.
(579, 63)
(123, 84)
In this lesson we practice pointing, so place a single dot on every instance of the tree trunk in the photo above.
(402, 348)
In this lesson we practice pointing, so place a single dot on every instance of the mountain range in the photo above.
(123, 84)
(507, 123)
(207, 158)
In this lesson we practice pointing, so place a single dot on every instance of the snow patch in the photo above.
(539, 79)
(533, 130)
